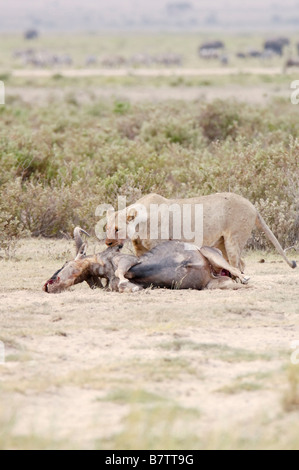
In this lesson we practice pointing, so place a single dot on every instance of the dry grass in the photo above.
(81, 155)
(291, 397)
(157, 369)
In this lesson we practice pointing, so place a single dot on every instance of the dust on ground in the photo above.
(152, 370)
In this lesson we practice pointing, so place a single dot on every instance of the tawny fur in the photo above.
(228, 221)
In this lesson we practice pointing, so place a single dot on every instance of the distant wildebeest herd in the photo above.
(44, 58)
(271, 48)
(228, 220)
(209, 50)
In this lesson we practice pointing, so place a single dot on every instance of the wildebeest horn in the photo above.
(80, 245)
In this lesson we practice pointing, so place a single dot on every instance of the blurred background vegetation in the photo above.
(60, 161)
(71, 141)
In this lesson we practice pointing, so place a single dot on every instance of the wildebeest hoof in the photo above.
(122, 286)
(136, 289)
(129, 287)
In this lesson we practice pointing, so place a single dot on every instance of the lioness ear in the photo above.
(131, 214)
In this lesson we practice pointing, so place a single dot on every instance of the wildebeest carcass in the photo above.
(171, 265)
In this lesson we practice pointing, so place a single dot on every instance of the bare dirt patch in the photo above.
(249, 94)
(182, 72)
(157, 369)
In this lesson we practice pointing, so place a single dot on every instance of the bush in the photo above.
(55, 177)
(11, 231)
(38, 210)
(219, 120)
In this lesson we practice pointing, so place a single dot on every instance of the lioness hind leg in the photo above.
(242, 265)
(221, 246)
(234, 248)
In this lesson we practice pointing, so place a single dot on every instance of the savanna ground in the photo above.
(158, 369)
(154, 370)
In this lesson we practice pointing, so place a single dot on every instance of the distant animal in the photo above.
(113, 61)
(224, 59)
(172, 265)
(209, 54)
(276, 45)
(212, 45)
(292, 63)
(211, 50)
(91, 60)
(267, 54)
(42, 58)
(168, 59)
(254, 53)
(31, 34)
(228, 220)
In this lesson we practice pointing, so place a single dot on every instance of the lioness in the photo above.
(228, 220)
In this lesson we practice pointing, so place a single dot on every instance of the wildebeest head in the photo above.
(69, 272)
(73, 272)
(81, 247)
(83, 268)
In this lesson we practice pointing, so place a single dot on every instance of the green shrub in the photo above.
(38, 210)
(58, 165)
(11, 231)
(219, 120)
(121, 107)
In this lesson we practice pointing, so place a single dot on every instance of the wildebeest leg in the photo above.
(94, 282)
(223, 283)
(129, 287)
(218, 262)
(221, 246)
(113, 284)
(125, 263)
